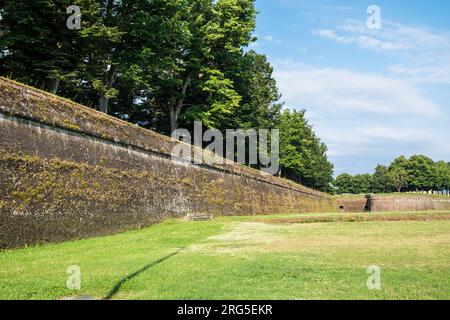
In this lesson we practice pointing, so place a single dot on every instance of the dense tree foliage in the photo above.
(302, 155)
(416, 174)
(35, 45)
(381, 181)
(161, 64)
(360, 183)
(344, 183)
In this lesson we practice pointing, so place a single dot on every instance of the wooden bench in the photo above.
(199, 217)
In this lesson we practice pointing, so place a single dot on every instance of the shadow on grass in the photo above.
(119, 284)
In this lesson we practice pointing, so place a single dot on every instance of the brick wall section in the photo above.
(69, 172)
(408, 203)
(352, 204)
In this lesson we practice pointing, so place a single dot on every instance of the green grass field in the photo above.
(245, 258)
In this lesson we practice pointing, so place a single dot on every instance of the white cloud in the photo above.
(398, 134)
(379, 45)
(419, 53)
(270, 38)
(362, 40)
(363, 118)
(331, 34)
(350, 91)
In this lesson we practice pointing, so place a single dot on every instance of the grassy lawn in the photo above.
(244, 258)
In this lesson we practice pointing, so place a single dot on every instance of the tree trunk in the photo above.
(103, 102)
(175, 109)
(173, 119)
(108, 9)
(52, 85)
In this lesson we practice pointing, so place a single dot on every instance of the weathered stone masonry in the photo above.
(68, 172)
(408, 203)
(397, 202)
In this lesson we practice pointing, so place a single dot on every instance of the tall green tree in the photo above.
(381, 181)
(441, 175)
(398, 173)
(362, 183)
(399, 177)
(103, 46)
(36, 45)
(421, 173)
(254, 82)
(303, 156)
(344, 183)
(152, 65)
(198, 85)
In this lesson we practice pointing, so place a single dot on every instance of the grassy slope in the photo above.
(242, 258)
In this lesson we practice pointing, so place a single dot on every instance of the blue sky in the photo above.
(371, 95)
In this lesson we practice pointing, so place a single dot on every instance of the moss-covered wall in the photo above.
(68, 172)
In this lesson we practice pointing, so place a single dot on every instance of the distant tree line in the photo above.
(416, 174)
(161, 64)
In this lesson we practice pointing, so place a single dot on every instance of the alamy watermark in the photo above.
(74, 277)
(374, 20)
(73, 22)
(251, 147)
(374, 280)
